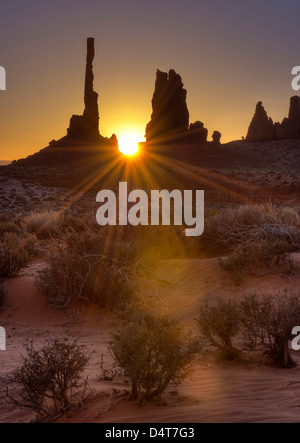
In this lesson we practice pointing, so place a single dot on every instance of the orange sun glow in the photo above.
(128, 144)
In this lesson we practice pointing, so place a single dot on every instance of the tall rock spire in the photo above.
(170, 117)
(91, 112)
(261, 128)
(86, 127)
(83, 140)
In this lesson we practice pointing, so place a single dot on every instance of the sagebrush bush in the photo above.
(153, 351)
(252, 311)
(49, 375)
(219, 324)
(250, 224)
(9, 227)
(90, 267)
(16, 251)
(69, 224)
(250, 256)
(273, 316)
(290, 216)
(260, 316)
(43, 224)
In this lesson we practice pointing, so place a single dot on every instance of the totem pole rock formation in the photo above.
(262, 127)
(83, 138)
(86, 126)
(170, 117)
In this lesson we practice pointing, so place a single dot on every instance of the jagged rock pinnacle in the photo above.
(91, 111)
(170, 117)
(86, 126)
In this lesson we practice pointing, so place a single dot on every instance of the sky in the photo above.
(230, 54)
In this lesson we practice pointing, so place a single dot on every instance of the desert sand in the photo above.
(248, 390)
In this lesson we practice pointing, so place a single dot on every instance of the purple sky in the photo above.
(230, 54)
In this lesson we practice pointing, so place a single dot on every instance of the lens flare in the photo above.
(128, 144)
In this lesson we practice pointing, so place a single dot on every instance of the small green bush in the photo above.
(153, 351)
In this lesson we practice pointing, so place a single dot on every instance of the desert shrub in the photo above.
(250, 256)
(5, 217)
(251, 313)
(42, 224)
(219, 324)
(16, 251)
(69, 223)
(289, 216)
(276, 315)
(226, 229)
(49, 375)
(9, 227)
(153, 351)
(110, 373)
(89, 267)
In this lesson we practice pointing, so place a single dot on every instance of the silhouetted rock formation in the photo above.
(198, 133)
(290, 127)
(169, 124)
(170, 117)
(261, 128)
(83, 140)
(86, 126)
(217, 138)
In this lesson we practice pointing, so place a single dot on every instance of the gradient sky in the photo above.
(230, 54)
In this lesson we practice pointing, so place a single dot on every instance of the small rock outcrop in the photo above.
(216, 138)
(170, 117)
(290, 127)
(198, 133)
(261, 128)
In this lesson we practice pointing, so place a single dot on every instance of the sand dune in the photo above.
(248, 390)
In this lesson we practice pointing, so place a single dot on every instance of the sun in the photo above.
(128, 144)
